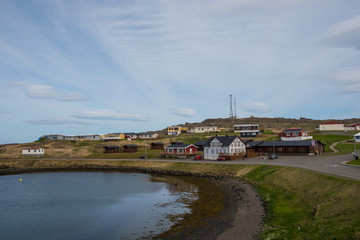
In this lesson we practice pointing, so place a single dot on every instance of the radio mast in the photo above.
(231, 108)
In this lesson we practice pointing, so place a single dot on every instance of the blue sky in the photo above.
(81, 67)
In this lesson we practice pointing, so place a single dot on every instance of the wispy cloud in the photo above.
(256, 107)
(55, 122)
(46, 92)
(348, 80)
(345, 33)
(184, 112)
(105, 114)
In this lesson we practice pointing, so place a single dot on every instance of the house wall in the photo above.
(203, 129)
(36, 152)
(213, 151)
(331, 127)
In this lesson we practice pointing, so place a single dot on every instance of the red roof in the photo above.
(354, 125)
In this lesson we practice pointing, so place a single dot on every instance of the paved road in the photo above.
(332, 165)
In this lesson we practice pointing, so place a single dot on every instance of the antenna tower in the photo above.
(231, 109)
(234, 107)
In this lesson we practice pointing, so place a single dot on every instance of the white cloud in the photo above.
(348, 80)
(184, 112)
(46, 92)
(256, 107)
(345, 33)
(105, 114)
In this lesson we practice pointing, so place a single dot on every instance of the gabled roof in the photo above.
(130, 145)
(225, 140)
(353, 125)
(180, 145)
(358, 134)
(157, 143)
(200, 143)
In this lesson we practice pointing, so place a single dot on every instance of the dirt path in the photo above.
(332, 147)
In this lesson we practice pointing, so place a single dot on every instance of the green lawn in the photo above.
(345, 148)
(330, 139)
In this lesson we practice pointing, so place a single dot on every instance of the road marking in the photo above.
(334, 165)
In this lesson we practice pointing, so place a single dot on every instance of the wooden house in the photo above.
(157, 145)
(247, 130)
(180, 150)
(130, 148)
(111, 149)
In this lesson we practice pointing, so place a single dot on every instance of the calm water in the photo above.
(89, 205)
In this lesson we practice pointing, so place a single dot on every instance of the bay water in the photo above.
(90, 205)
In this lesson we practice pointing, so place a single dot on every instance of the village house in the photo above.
(353, 127)
(331, 126)
(180, 150)
(33, 152)
(157, 145)
(176, 130)
(294, 134)
(131, 136)
(113, 137)
(72, 137)
(148, 135)
(130, 148)
(226, 146)
(357, 137)
(247, 130)
(204, 129)
(111, 149)
(306, 147)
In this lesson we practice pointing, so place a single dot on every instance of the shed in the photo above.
(34, 152)
(111, 149)
(157, 145)
(130, 148)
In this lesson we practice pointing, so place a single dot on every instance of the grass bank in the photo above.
(300, 204)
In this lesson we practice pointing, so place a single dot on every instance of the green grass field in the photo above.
(330, 139)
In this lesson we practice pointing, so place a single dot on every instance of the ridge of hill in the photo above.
(278, 123)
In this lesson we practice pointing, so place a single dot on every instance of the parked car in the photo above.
(143, 157)
(221, 159)
(198, 157)
(273, 156)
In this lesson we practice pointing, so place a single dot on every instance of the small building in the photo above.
(130, 148)
(357, 137)
(111, 149)
(204, 129)
(230, 147)
(331, 126)
(157, 145)
(247, 130)
(176, 130)
(148, 135)
(113, 137)
(33, 152)
(306, 147)
(53, 137)
(180, 150)
(131, 136)
(353, 127)
(294, 134)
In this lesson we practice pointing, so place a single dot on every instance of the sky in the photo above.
(96, 67)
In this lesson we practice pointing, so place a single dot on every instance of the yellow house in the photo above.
(113, 136)
(176, 130)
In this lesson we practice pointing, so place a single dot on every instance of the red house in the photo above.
(180, 150)
(294, 134)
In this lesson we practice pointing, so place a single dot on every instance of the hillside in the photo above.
(274, 124)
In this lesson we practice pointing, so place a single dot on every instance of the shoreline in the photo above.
(241, 217)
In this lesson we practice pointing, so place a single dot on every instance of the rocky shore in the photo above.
(240, 218)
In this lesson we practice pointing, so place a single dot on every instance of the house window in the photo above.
(302, 149)
(212, 151)
(279, 149)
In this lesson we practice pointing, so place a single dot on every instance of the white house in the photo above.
(148, 135)
(357, 137)
(247, 130)
(353, 127)
(204, 129)
(34, 152)
(223, 145)
(331, 126)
